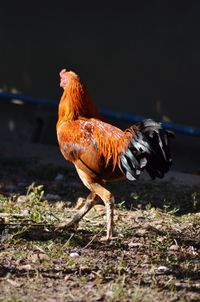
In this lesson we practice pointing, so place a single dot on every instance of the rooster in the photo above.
(102, 152)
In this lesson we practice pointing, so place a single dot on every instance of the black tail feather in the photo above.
(148, 149)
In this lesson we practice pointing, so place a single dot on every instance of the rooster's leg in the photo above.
(108, 200)
(104, 194)
(89, 203)
(109, 218)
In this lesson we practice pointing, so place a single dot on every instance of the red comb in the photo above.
(62, 72)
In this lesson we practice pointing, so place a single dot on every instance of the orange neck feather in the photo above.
(75, 103)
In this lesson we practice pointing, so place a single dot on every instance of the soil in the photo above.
(155, 255)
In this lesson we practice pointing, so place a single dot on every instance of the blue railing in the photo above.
(193, 131)
(27, 99)
(137, 118)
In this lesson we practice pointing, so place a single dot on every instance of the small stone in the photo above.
(135, 244)
(74, 254)
(174, 247)
(163, 269)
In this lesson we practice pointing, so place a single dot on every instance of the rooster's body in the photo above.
(102, 152)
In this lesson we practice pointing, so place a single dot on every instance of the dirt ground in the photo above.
(155, 255)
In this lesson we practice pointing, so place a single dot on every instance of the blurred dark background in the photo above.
(140, 57)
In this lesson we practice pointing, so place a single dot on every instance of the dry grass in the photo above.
(154, 258)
